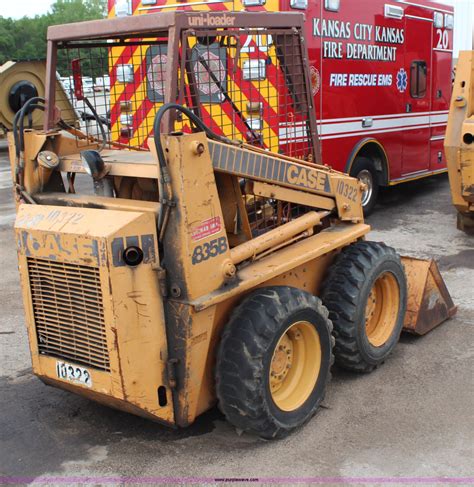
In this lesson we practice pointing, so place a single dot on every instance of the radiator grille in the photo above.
(68, 312)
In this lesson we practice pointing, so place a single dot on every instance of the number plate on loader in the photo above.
(73, 373)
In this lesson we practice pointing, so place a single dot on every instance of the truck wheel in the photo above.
(365, 292)
(364, 170)
(274, 361)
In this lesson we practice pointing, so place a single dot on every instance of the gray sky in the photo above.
(30, 8)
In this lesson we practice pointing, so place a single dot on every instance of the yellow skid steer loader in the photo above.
(206, 270)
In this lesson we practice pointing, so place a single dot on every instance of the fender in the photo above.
(357, 149)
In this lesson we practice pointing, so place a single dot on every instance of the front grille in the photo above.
(68, 312)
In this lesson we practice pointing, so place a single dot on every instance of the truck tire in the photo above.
(365, 292)
(364, 170)
(274, 360)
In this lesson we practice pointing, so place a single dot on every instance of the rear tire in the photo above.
(364, 170)
(365, 292)
(274, 361)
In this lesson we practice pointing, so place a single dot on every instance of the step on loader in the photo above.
(207, 269)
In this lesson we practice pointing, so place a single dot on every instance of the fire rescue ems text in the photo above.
(354, 79)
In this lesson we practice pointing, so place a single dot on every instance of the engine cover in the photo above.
(94, 311)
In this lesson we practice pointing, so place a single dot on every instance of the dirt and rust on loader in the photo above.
(207, 269)
(459, 142)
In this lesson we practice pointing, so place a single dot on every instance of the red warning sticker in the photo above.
(207, 228)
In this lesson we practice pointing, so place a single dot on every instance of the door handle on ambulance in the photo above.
(367, 122)
(409, 108)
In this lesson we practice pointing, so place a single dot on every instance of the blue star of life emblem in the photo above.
(402, 80)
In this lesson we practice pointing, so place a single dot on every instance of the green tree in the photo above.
(66, 11)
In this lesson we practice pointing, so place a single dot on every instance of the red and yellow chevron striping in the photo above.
(244, 103)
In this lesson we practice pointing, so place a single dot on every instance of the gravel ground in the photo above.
(411, 419)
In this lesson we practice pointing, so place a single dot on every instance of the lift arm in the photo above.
(291, 180)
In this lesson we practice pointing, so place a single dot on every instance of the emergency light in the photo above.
(123, 8)
(438, 20)
(254, 3)
(332, 5)
(125, 73)
(449, 21)
(299, 4)
(126, 119)
(255, 123)
(394, 12)
(254, 70)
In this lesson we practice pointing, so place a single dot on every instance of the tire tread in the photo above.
(240, 394)
(341, 294)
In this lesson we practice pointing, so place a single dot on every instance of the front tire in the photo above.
(365, 292)
(274, 361)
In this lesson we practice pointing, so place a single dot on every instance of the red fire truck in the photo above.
(381, 80)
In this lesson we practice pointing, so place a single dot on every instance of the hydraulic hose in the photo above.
(31, 105)
(18, 134)
(192, 117)
(165, 181)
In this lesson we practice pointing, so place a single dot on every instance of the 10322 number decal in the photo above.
(73, 373)
(346, 190)
(208, 250)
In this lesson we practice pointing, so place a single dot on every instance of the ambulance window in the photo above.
(156, 58)
(418, 79)
(209, 67)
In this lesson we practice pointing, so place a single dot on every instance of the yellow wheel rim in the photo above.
(381, 311)
(295, 366)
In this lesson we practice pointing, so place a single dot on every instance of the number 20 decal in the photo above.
(209, 250)
(443, 39)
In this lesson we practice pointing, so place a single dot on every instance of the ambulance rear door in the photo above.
(414, 80)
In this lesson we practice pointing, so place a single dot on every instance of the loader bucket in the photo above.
(429, 302)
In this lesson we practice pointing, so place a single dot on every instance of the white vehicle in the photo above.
(87, 84)
(102, 83)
